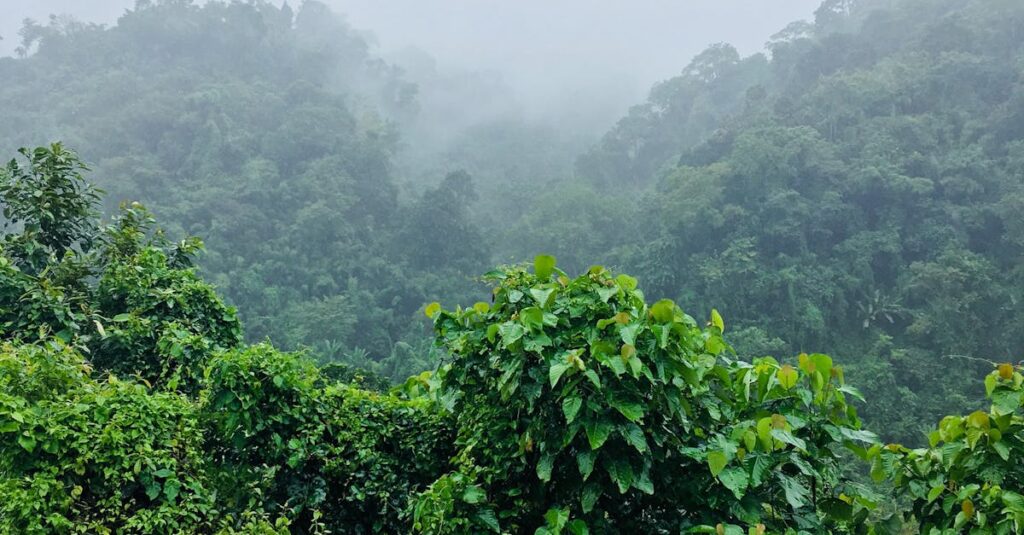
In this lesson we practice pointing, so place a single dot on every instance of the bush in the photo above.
(579, 407)
(162, 320)
(970, 478)
(345, 456)
(81, 455)
(563, 406)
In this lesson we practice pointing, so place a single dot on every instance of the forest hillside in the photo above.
(856, 189)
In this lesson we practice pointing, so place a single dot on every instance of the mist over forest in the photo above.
(475, 267)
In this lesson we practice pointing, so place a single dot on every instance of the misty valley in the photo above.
(259, 276)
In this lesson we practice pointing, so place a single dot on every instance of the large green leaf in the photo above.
(716, 321)
(787, 376)
(626, 282)
(634, 436)
(473, 494)
(735, 479)
(795, 491)
(556, 371)
(570, 407)
(543, 266)
(717, 461)
(822, 364)
(532, 318)
(556, 518)
(788, 438)
(544, 467)
(597, 432)
(589, 496)
(585, 462)
(620, 472)
(631, 410)
(1005, 401)
(663, 311)
(27, 442)
(510, 333)
(543, 296)
(489, 519)
(578, 527)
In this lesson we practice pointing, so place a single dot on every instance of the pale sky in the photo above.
(548, 51)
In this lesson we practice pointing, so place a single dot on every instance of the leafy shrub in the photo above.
(163, 320)
(579, 407)
(52, 202)
(564, 406)
(348, 457)
(80, 455)
(36, 307)
(147, 312)
(44, 264)
(970, 479)
(211, 438)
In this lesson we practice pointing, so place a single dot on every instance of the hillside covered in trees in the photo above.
(860, 191)
(129, 403)
(857, 189)
(264, 131)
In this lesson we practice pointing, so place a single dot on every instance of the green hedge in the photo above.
(87, 454)
(308, 447)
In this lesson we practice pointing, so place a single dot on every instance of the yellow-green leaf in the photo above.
(626, 282)
(716, 320)
(787, 376)
(716, 462)
(764, 432)
(978, 420)
(663, 311)
(967, 506)
(543, 266)
(805, 363)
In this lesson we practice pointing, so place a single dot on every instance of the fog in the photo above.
(579, 57)
(511, 266)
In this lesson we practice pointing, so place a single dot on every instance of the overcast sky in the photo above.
(545, 49)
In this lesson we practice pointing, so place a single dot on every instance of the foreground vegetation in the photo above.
(129, 403)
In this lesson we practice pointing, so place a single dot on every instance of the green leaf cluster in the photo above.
(969, 478)
(579, 407)
(129, 404)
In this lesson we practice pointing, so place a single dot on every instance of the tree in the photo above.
(51, 202)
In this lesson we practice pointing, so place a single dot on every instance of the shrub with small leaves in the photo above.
(51, 201)
(80, 454)
(158, 319)
(307, 447)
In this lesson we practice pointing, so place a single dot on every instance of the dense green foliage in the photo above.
(855, 189)
(80, 455)
(128, 403)
(263, 130)
(316, 450)
(577, 402)
(970, 479)
(563, 406)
